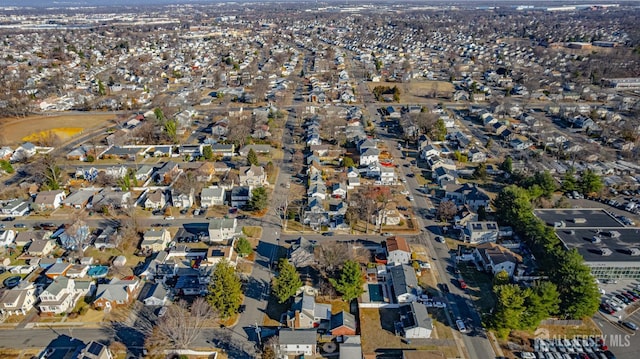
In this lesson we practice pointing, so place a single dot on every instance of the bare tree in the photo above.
(180, 326)
(446, 210)
(281, 207)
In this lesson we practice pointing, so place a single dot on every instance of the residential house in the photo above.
(429, 151)
(112, 198)
(16, 208)
(41, 247)
(182, 200)
(108, 238)
(301, 253)
(206, 171)
(221, 229)
(443, 176)
(338, 190)
(481, 232)
(18, 300)
(215, 254)
(80, 198)
(351, 347)
(48, 200)
(223, 150)
(193, 151)
(252, 176)
(240, 196)
(388, 175)
(308, 313)
(296, 343)
(258, 149)
(156, 296)
(60, 296)
(495, 258)
(212, 196)
(404, 283)
(7, 236)
(118, 292)
(466, 194)
(95, 350)
(155, 240)
(369, 155)
(343, 323)
(155, 199)
(398, 251)
(24, 238)
(167, 173)
(477, 156)
(58, 269)
(415, 320)
(144, 173)
(24, 151)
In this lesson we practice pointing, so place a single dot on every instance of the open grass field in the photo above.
(418, 91)
(17, 130)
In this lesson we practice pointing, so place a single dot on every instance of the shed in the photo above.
(120, 261)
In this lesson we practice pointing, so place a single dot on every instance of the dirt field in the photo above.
(418, 91)
(13, 130)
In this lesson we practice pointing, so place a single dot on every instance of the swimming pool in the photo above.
(98, 271)
(375, 293)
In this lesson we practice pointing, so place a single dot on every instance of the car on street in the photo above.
(327, 234)
(439, 239)
(410, 175)
(20, 225)
(242, 308)
(9, 219)
(410, 198)
(169, 218)
(162, 312)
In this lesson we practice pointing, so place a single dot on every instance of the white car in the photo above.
(461, 326)
(169, 218)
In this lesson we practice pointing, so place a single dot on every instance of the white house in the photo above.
(60, 296)
(369, 155)
(221, 229)
(156, 296)
(387, 175)
(182, 200)
(212, 196)
(398, 251)
(155, 240)
(495, 258)
(18, 300)
(296, 343)
(415, 321)
(403, 280)
(481, 232)
(6, 237)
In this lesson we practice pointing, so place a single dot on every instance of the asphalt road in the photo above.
(459, 302)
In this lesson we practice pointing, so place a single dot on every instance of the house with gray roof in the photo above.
(60, 296)
(116, 293)
(221, 229)
(18, 300)
(404, 284)
(308, 313)
(296, 343)
(212, 196)
(156, 296)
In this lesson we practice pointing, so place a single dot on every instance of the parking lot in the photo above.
(620, 340)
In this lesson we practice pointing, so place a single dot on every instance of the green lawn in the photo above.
(479, 287)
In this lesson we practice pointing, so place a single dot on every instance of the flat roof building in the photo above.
(609, 248)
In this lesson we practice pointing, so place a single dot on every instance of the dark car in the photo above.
(242, 308)
(48, 226)
(444, 288)
(20, 225)
(630, 325)
(8, 219)
(327, 234)
(410, 175)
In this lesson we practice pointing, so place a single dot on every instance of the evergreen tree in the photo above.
(252, 158)
(350, 281)
(207, 152)
(590, 182)
(259, 199)
(569, 183)
(507, 165)
(287, 282)
(243, 247)
(225, 289)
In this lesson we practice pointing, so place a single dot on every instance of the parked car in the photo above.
(169, 218)
(20, 225)
(461, 327)
(630, 325)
